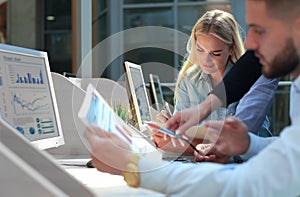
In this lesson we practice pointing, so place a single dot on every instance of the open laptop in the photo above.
(156, 92)
(138, 97)
(142, 110)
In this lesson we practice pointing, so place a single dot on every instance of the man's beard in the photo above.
(284, 63)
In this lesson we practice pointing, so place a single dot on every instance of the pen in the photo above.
(172, 134)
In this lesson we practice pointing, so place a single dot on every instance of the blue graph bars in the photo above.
(29, 79)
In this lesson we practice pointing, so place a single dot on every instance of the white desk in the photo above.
(104, 184)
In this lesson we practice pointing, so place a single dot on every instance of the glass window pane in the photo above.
(3, 22)
(146, 1)
(208, 1)
(99, 5)
(148, 16)
(59, 48)
(99, 29)
(188, 16)
(58, 14)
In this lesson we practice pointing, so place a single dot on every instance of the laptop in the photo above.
(156, 92)
(142, 111)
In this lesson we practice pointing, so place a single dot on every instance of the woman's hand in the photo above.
(170, 144)
(166, 143)
(187, 118)
(163, 117)
(230, 137)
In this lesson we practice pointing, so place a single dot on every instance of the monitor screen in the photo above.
(27, 96)
(156, 92)
(138, 95)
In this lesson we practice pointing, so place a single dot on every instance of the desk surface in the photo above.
(104, 184)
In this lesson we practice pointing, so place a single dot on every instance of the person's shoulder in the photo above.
(195, 76)
(193, 71)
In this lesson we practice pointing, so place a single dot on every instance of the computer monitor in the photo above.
(156, 92)
(137, 93)
(27, 96)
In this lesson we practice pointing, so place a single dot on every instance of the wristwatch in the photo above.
(131, 173)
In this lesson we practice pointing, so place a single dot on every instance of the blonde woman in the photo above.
(214, 46)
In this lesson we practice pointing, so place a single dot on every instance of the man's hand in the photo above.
(230, 137)
(208, 153)
(109, 152)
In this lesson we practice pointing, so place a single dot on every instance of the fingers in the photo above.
(173, 122)
(204, 149)
(233, 122)
(206, 158)
(216, 125)
(183, 127)
(163, 116)
(160, 134)
(160, 141)
(91, 137)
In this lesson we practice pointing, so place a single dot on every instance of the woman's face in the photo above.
(211, 54)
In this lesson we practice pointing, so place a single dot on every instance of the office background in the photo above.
(69, 29)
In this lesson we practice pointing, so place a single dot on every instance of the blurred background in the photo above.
(69, 29)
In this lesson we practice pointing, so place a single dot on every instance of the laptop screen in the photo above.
(137, 93)
(156, 92)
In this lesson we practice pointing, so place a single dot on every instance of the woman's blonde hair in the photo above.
(220, 24)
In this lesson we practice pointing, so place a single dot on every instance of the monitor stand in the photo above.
(69, 99)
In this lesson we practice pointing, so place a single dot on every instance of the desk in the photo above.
(104, 184)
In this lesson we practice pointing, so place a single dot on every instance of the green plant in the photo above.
(123, 112)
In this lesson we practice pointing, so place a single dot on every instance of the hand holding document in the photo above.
(95, 112)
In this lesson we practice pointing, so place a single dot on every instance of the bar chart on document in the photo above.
(25, 97)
